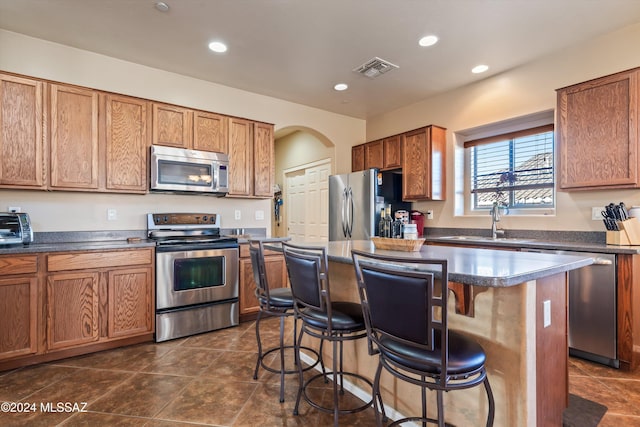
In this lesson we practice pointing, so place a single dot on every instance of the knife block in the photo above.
(628, 235)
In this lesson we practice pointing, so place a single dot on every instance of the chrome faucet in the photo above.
(495, 218)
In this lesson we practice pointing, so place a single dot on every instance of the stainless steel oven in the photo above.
(196, 275)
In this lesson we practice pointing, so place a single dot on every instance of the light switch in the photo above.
(546, 309)
(259, 215)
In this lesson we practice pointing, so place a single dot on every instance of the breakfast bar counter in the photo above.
(519, 317)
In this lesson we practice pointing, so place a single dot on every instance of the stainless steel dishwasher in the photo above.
(592, 308)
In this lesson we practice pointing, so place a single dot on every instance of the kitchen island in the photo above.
(519, 306)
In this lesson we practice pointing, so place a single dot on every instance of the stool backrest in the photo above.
(307, 267)
(404, 300)
(256, 252)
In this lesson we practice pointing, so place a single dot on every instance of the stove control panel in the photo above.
(163, 220)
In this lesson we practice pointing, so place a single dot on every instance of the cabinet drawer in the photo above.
(87, 260)
(21, 264)
(244, 251)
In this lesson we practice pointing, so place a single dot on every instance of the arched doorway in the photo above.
(304, 161)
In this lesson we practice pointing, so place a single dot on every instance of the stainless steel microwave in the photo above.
(180, 170)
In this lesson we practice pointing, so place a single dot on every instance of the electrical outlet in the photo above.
(112, 214)
(14, 209)
(259, 215)
(546, 309)
(237, 215)
(596, 214)
(429, 214)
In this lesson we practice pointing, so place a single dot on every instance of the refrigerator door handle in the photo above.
(350, 213)
(345, 197)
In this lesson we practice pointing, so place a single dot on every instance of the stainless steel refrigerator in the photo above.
(355, 200)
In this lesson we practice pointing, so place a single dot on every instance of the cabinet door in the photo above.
(130, 293)
(126, 144)
(172, 126)
(423, 164)
(276, 275)
(392, 151)
(18, 317)
(210, 132)
(263, 160)
(72, 309)
(74, 137)
(21, 143)
(374, 155)
(357, 158)
(598, 133)
(240, 157)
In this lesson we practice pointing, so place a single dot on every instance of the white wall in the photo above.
(519, 92)
(65, 211)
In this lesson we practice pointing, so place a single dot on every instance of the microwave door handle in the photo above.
(216, 177)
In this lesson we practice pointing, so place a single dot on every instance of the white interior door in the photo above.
(306, 200)
(295, 204)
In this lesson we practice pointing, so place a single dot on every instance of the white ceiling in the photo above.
(297, 50)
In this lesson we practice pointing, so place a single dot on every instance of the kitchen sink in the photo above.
(486, 239)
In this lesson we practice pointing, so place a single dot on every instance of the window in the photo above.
(513, 169)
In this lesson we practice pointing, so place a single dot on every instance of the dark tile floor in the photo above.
(208, 380)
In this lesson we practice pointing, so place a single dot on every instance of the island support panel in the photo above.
(526, 362)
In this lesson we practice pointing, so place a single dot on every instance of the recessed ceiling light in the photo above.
(428, 41)
(479, 69)
(341, 86)
(162, 6)
(218, 47)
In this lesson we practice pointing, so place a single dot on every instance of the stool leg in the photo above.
(424, 403)
(492, 404)
(297, 345)
(376, 393)
(281, 359)
(341, 366)
(255, 373)
(440, 408)
(335, 384)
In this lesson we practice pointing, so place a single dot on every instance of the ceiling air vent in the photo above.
(375, 67)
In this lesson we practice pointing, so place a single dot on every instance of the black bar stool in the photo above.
(417, 346)
(333, 321)
(273, 302)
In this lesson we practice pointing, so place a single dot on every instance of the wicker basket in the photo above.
(404, 245)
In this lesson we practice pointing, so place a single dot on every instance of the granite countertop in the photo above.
(532, 243)
(76, 246)
(481, 267)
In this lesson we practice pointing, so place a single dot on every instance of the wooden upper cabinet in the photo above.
(392, 152)
(357, 158)
(210, 132)
(74, 137)
(127, 143)
(263, 160)
(240, 157)
(374, 155)
(597, 134)
(172, 125)
(423, 164)
(21, 142)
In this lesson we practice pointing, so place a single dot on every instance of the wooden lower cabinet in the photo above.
(130, 305)
(18, 317)
(62, 304)
(72, 309)
(276, 275)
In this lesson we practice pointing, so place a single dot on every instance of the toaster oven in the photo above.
(15, 229)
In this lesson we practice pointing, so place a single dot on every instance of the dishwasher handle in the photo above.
(601, 261)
